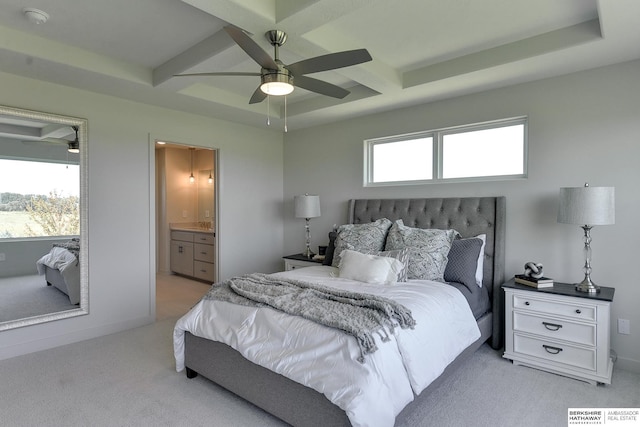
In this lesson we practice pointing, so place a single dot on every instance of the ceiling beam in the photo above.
(508, 53)
(196, 54)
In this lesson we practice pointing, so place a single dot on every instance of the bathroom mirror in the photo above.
(43, 212)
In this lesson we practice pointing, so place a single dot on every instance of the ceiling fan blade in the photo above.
(252, 48)
(216, 74)
(330, 61)
(318, 86)
(258, 96)
(44, 141)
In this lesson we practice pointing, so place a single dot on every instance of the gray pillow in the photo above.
(331, 248)
(365, 238)
(463, 261)
(401, 255)
(428, 249)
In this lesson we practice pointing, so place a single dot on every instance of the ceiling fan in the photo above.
(73, 146)
(277, 78)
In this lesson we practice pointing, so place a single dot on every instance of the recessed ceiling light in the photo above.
(35, 16)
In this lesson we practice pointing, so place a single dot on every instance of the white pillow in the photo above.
(480, 267)
(369, 268)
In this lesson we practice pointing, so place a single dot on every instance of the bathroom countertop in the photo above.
(192, 228)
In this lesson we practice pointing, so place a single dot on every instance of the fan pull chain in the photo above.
(285, 113)
(268, 111)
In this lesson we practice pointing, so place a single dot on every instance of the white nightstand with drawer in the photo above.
(559, 330)
(291, 262)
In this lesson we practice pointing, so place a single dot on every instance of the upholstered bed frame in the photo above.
(301, 406)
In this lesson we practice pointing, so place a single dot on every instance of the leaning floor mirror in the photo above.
(43, 217)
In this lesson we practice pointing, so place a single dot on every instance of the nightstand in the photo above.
(559, 330)
(291, 262)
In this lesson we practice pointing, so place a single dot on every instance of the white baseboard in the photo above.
(625, 364)
(70, 338)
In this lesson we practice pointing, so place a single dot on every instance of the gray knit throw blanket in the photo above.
(358, 314)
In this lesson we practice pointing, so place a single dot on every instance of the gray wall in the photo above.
(21, 255)
(121, 235)
(582, 127)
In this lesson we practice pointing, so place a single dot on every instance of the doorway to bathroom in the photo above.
(186, 208)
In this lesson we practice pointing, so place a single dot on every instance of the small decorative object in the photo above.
(307, 207)
(533, 269)
(587, 206)
(533, 276)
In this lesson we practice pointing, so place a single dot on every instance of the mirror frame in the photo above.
(84, 216)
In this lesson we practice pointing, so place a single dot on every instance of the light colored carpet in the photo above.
(27, 296)
(124, 379)
(129, 379)
(490, 391)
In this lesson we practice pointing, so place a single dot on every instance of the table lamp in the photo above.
(587, 206)
(307, 207)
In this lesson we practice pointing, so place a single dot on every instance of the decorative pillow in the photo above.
(331, 248)
(368, 268)
(480, 269)
(401, 255)
(365, 238)
(463, 262)
(428, 249)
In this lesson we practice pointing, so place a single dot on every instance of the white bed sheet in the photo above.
(371, 394)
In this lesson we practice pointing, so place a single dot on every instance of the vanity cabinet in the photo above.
(193, 254)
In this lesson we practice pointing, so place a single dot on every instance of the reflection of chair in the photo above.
(61, 268)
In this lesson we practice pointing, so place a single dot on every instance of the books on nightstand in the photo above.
(542, 282)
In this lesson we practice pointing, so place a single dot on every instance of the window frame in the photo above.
(437, 136)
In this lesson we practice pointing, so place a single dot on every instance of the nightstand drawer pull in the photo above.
(578, 311)
(551, 326)
(527, 303)
(551, 350)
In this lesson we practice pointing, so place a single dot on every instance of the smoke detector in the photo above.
(35, 16)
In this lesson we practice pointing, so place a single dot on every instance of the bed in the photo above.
(301, 405)
(61, 268)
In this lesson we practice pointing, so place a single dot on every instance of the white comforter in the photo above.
(371, 394)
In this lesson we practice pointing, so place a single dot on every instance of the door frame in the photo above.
(153, 226)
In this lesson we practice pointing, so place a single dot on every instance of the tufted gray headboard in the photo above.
(469, 216)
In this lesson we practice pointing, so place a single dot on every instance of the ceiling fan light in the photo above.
(276, 88)
(73, 147)
(277, 83)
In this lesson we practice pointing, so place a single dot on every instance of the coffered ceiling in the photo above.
(423, 50)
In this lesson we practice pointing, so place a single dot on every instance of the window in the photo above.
(32, 202)
(491, 150)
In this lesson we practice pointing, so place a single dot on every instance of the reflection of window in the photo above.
(39, 199)
(492, 150)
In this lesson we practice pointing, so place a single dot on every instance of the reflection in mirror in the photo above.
(43, 217)
(205, 197)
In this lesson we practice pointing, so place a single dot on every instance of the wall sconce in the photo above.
(210, 180)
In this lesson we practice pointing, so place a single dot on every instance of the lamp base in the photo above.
(308, 254)
(587, 286)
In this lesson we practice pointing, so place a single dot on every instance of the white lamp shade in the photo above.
(587, 205)
(307, 206)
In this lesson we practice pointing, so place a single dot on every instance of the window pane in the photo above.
(488, 152)
(38, 199)
(403, 160)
